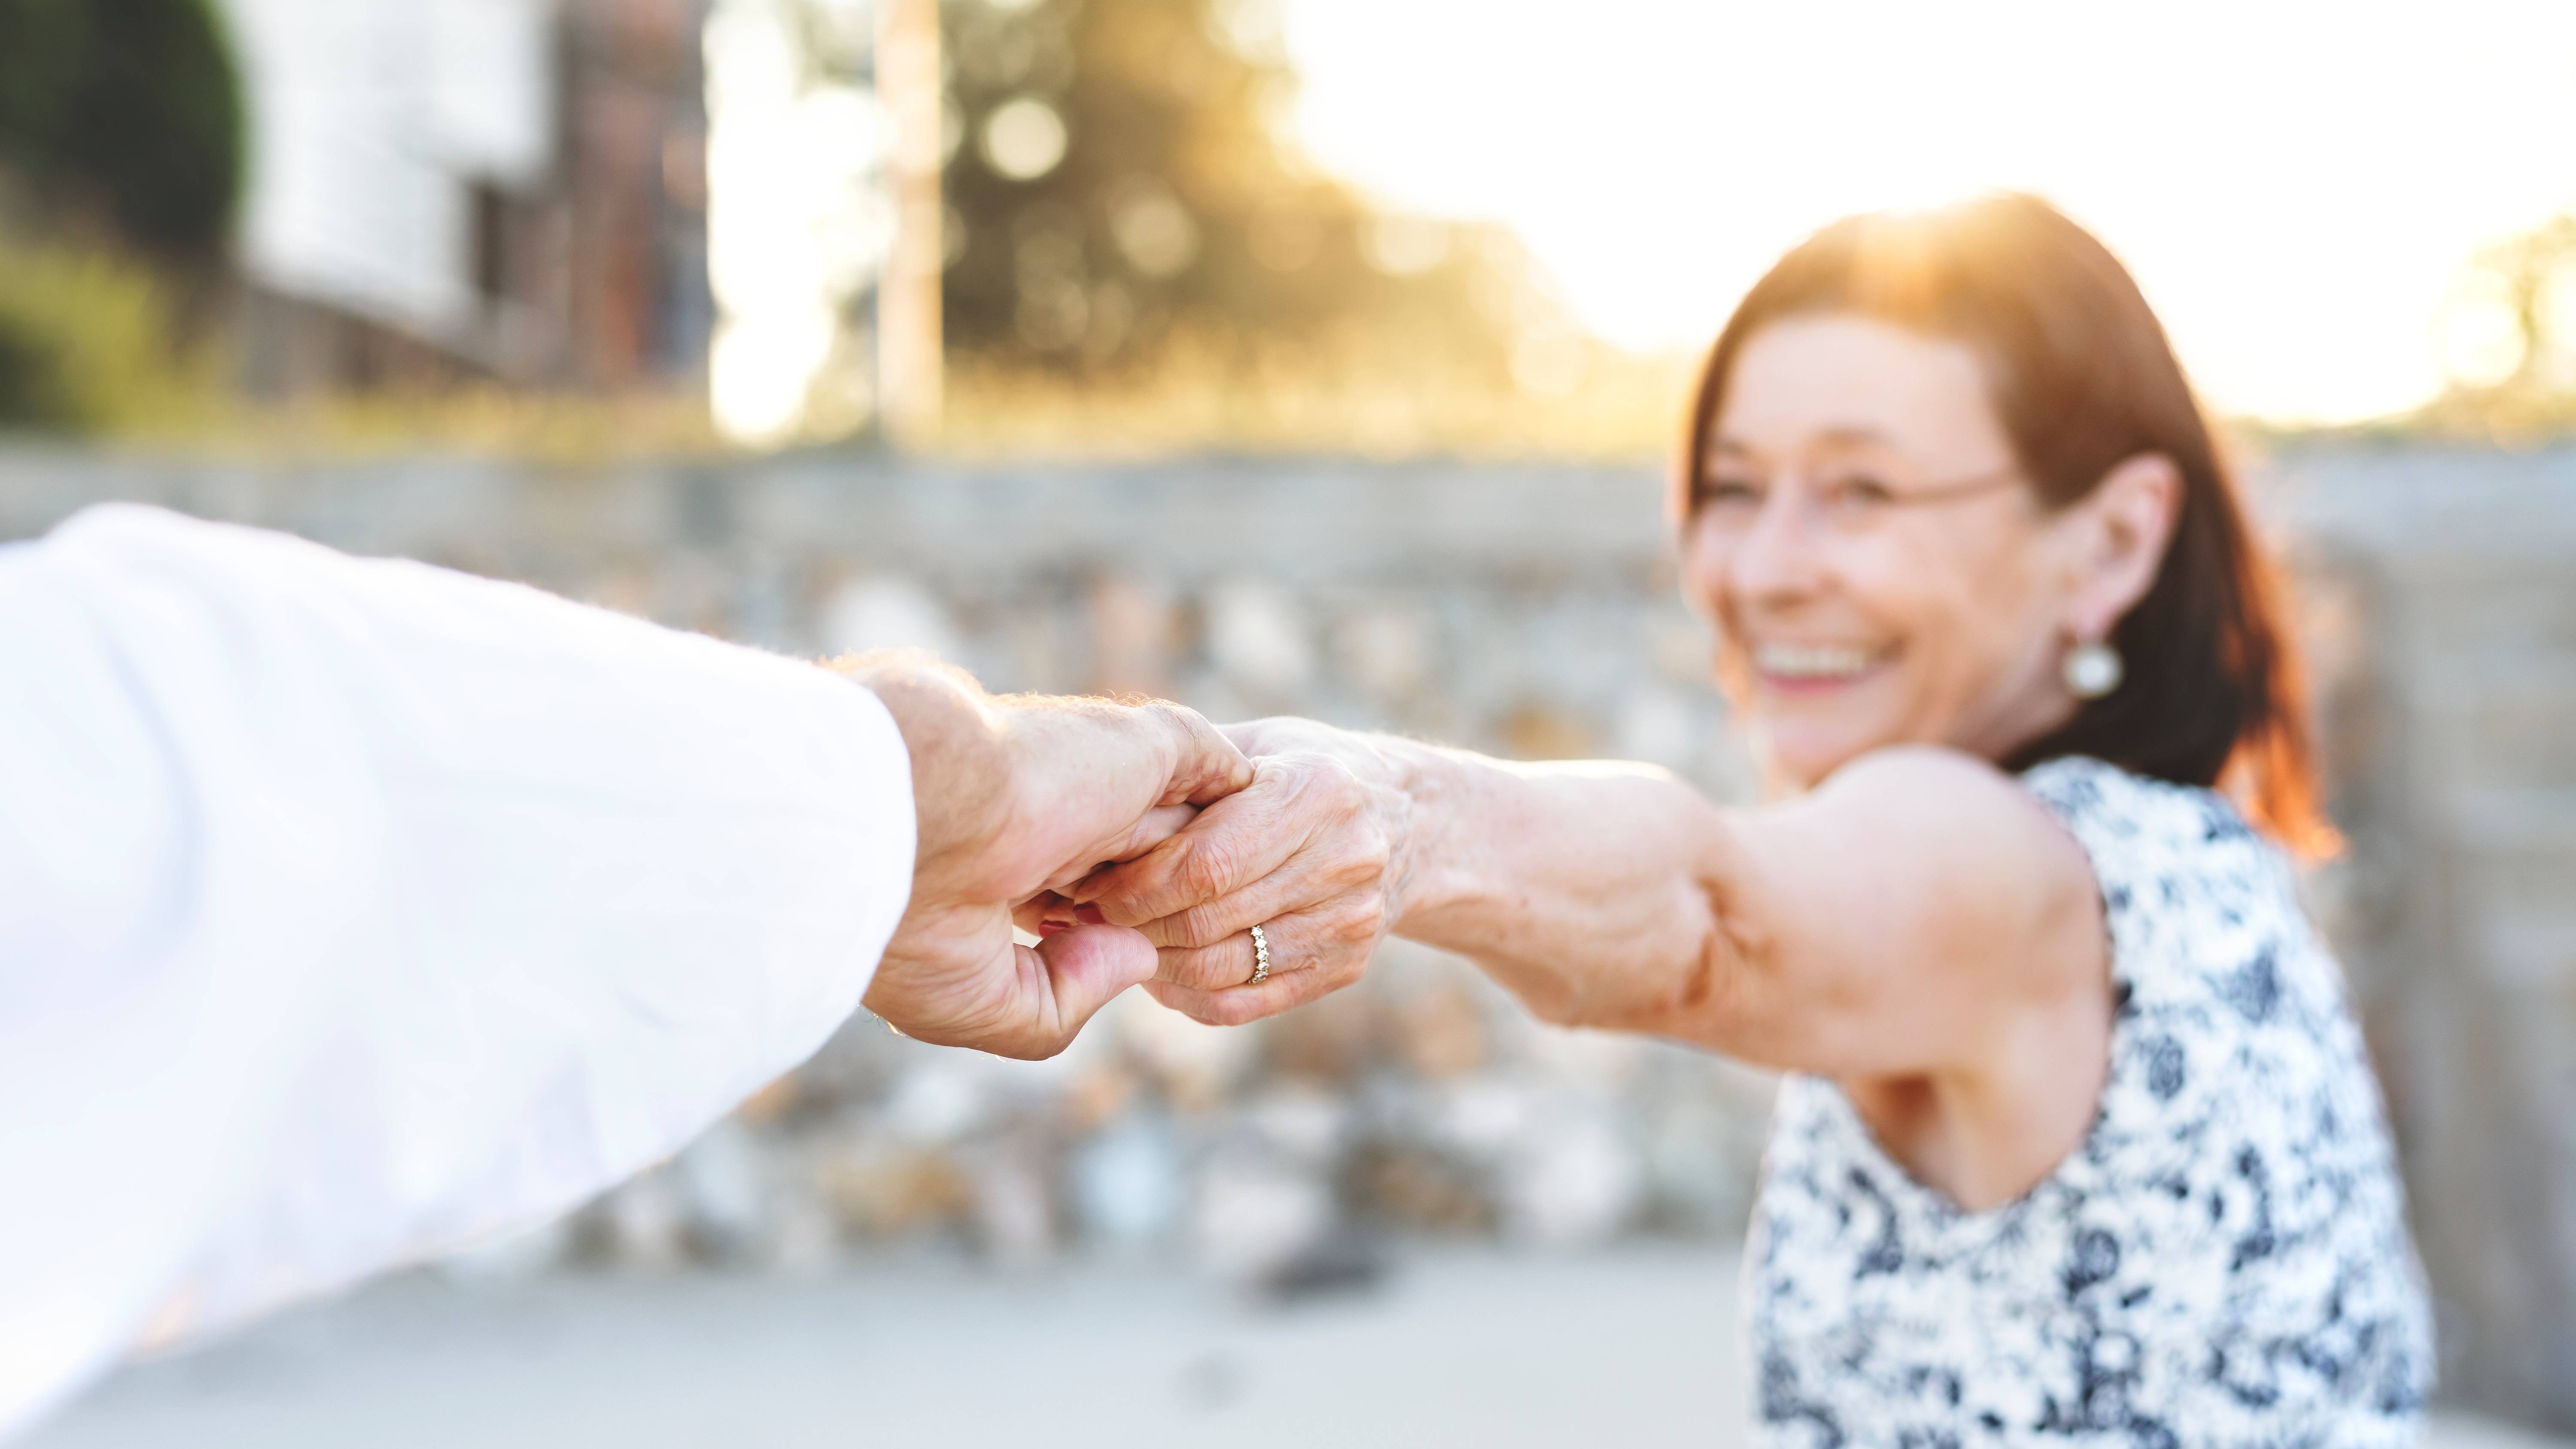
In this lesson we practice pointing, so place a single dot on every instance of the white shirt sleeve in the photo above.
(355, 909)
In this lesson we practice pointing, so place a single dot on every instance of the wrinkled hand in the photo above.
(1016, 797)
(1314, 851)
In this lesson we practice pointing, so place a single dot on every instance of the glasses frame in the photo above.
(1929, 495)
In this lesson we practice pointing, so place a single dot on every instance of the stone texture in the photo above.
(2455, 740)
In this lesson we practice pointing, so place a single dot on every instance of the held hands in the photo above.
(1317, 850)
(1142, 844)
(1016, 797)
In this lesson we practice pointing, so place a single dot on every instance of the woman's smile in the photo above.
(1816, 669)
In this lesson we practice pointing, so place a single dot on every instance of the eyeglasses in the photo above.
(1849, 501)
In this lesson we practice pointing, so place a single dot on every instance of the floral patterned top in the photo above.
(2223, 1261)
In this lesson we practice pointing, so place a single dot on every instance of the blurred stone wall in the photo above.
(1530, 611)
(2440, 593)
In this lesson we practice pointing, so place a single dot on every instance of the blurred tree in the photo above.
(2507, 338)
(120, 133)
(1119, 184)
(123, 116)
(85, 345)
(1134, 250)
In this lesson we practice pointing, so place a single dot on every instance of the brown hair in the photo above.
(2083, 379)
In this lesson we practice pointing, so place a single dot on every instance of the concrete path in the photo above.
(1633, 1348)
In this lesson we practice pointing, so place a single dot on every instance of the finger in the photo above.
(1309, 882)
(1151, 829)
(1338, 935)
(1237, 1005)
(1043, 909)
(1046, 913)
(1293, 947)
(1233, 843)
(1086, 967)
(1209, 766)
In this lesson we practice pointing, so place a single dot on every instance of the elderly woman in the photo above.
(2078, 1139)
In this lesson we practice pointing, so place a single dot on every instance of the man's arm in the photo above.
(353, 910)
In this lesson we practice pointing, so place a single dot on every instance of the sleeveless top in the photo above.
(2223, 1260)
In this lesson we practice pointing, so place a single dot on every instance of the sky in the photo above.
(2296, 186)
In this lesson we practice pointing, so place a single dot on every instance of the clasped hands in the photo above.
(1141, 844)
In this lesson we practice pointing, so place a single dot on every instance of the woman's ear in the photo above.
(2122, 528)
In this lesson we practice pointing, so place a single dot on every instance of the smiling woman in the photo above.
(2078, 1140)
(1881, 341)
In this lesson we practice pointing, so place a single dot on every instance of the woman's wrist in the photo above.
(1417, 786)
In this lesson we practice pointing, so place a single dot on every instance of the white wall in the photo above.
(368, 122)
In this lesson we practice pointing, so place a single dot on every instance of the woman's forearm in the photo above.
(1904, 917)
(1600, 893)
(1587, 888)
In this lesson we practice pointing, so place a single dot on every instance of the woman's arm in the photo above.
(1917, 914)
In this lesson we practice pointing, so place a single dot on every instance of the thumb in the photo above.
(1087, 966)
(1209, 767)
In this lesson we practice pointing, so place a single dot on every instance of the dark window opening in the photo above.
(491, 258)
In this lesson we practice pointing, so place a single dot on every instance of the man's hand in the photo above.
(1017, 796)
(1317, 851)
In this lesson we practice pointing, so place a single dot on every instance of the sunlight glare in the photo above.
(2296, 185)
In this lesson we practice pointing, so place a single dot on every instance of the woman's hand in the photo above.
(1015, 797)
(1316, 851)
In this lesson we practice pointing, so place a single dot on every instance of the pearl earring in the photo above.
(2093, 670)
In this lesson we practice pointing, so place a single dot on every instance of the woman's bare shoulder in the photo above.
(1955, 864)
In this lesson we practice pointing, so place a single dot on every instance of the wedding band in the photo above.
(1260, 957)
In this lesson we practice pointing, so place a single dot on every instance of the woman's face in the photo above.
(1879, 570)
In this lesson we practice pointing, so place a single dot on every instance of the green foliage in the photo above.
(126, 114)
(84, 346)
(1175, 220)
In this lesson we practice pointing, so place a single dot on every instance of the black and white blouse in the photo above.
(2223, 1261)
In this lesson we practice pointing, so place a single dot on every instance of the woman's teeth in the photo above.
(1812, 661)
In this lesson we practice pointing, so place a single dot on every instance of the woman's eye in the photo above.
(1859, 492)
(1728, 493)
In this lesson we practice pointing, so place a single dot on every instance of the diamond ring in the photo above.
(1260, 957)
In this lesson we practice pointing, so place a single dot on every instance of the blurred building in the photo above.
(447, 189)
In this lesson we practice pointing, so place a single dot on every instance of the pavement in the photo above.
(1632, 1347)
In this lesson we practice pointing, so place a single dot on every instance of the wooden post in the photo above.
(910, 370)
